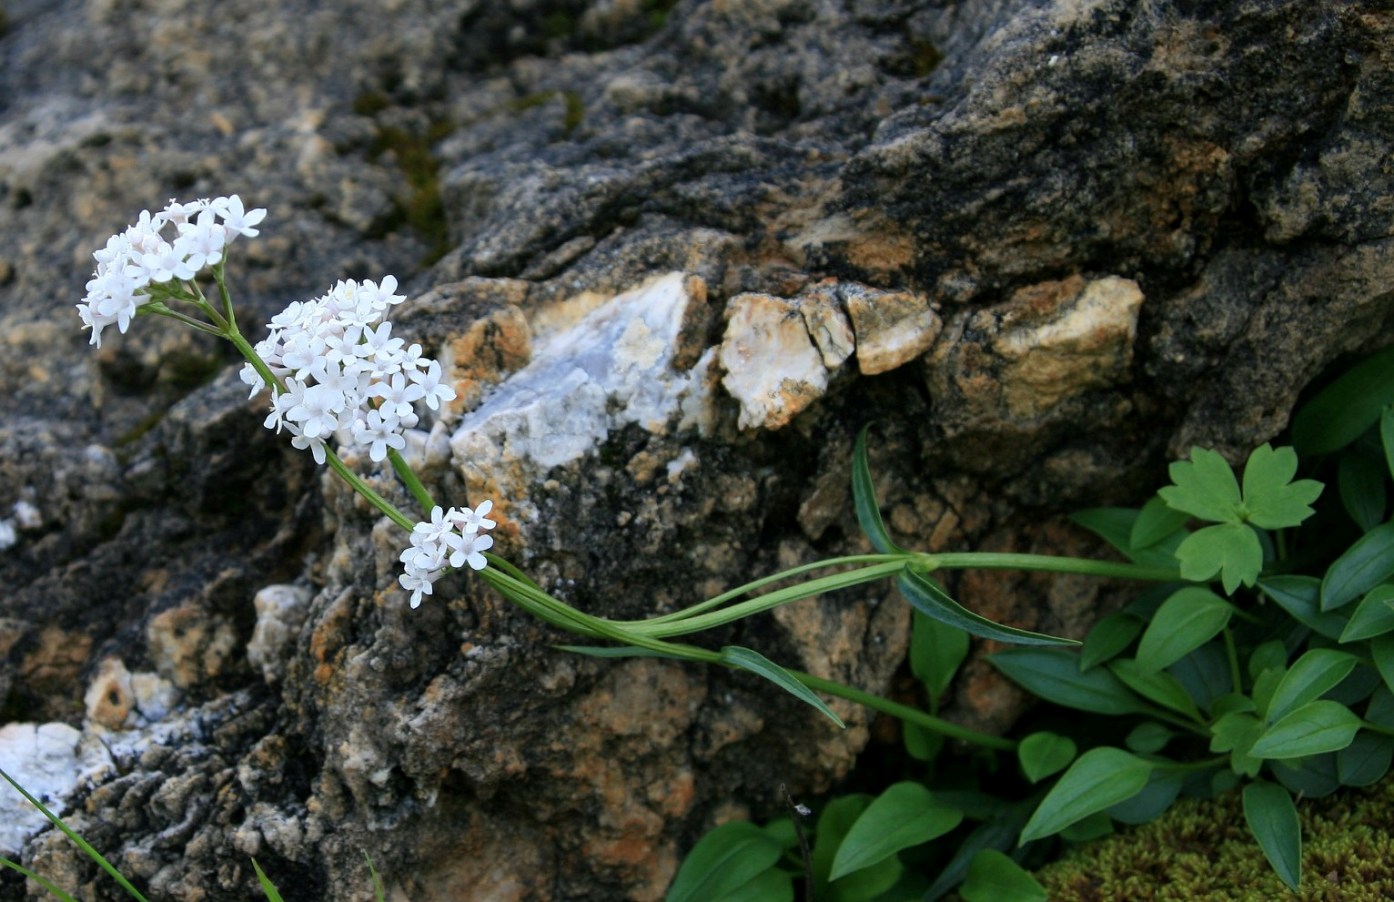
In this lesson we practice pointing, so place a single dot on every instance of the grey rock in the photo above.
(913, 184)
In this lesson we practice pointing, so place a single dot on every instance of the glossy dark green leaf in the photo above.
(1382, 653)
(1343, 410)
(926, 597)
(1108, 638)
(1310, 778)
(1088, 829)
(1361, 479)
(1044, 753)
(761, 666)
(1300, 596)
(1187, 620)
(1155, 522)
(993, 877)
(1314, 728)
(1374, 616)
(1149, 738)
(920, 743)
(1380, 710)
(1204, 673)
(936, 651)
(864, 500)
(1053, 674)
(1386, 435)
(1366, 564)
(1366, 760)
(999, 833)
(723, 861)
(834, 821)
(1272, 818)
(1155, 686)
(1307, 680)
(1099, 779)
(1152, 802)
(1115, 526)
(1235, 733)
(905, 815)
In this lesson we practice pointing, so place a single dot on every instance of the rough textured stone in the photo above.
(1142, 226)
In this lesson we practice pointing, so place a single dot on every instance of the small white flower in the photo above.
(471, 521)
(237, 220)
(377, 435)
(469, 549)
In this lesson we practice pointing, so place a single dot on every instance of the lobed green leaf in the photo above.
(1271, 499)
(1231, 550)
(1203, 487)
(1155, 522)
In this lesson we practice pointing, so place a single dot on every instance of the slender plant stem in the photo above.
(903, 712)
(987, 560)
(410, 480)
(1232, 653)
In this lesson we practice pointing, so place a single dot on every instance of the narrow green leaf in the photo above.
(1272, 818)
(1044, 753)
(936, 651)
(1191, 617)
(1100, 778)
(41, 881)
(1343, 410)
(1366, 760)
(616, 651)
(1271, 499)
(1157, 686)
(1155, 522)
(1308, 679)
(926, 597)
(1361, 479)
(905, 815)
(1374, 616)
(761, 666)
(999, 833)
(379, 893)
(1053, 674)
(267, 887)
(1366, 564)
(864, 500)
(1300, 596)
(1231, 550)
(993, 877)
(1108, 638)
(1203, 487)
(1316, 727)
(724, 860)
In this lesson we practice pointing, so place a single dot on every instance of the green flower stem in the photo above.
(737, 592)
(157, 308)
(903, 712)
(987, 560)
(410, 480)
(771, 600)
(224, 295)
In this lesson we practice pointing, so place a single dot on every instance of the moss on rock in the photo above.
(1201, 849)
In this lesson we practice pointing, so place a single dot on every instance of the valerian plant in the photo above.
(1277, 683)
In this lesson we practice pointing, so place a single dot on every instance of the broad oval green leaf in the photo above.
(1191, 617)
(1155, 521)
(1099, 779)
(1341, 411)
(936, 651)
(1149, 738)
(1272, 818)
(1043, 753)
(1382, 653)
(926, 597)
(1366, 760)
(1053, 674)
(1314, 728)
(864, 500)
(905, 815)
(1366, 564)
(723, 861)
(1374, 616)
(758, 664)
(994, 877)
(1308, 679)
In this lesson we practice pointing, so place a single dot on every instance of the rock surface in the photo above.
(674, 255)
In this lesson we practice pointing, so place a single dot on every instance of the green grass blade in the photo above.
(267, 887)
(78, 840)
(378, 892)
(864, 500)
(58, 893)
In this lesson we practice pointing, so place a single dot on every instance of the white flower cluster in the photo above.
(141, 257)
(345, 376)
(452, 537)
